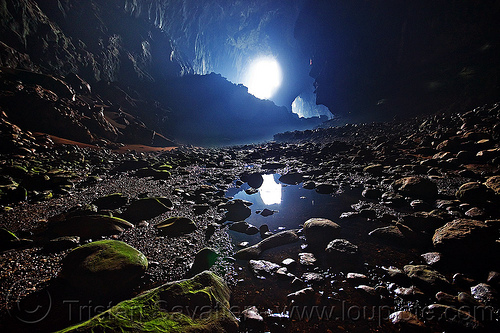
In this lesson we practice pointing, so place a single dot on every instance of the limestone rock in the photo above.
(170, 308)
(462, 235)
(426, 277)
(473, 193)
(407, 321)
(237, 210)
(319, 231)
(341, 247)
(280, 238)
(176, 226)
(146, 208)
(104, 267)
(88, 227)
(419, 187)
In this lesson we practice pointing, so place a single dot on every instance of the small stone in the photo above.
(410, 293)
(493, 278)
(251, 317)
(307, 259)
(432, 258)
(475, 213)
(356, 277)
(266, 212)
(302, 297)
(263, 267)
(341, 247)
(483, 292)
(311, 277)
(445, 298)
(407, 321)
(288, 262)
(367, 289)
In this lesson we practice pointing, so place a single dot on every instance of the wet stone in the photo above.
(453, 318)
(251, 318)
(475, 213)
(407, 321)
(419, 187)
(263, 267)
(426, 277)
(288, 262)
(356, 277)
(473, 193)
(307, 259)
(368, 290)
(410, 293)
(432, 258)
(319, 231)
(445, 298)
(484, 293)
(341, 247)
(312, 277)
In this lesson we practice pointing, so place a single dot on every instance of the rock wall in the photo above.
(375, 59)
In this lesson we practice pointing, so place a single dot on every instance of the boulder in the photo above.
(341, 248)
(493, 183)
(112, 201)
(176, 226)
(263, 267)
(88, 226)
(474, 193)
(106, 267)
(172, 307)
(462, 236)
(407, 321)
(237, 210)
(319, 232)
(278, 239)
(146, 208)
(425, 277)
(418, 187)
(203, 260)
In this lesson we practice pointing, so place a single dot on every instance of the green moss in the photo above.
(152, 311)
(108, 251)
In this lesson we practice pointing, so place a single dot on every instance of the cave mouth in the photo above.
(263, 77)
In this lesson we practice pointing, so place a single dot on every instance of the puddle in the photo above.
(293, 205)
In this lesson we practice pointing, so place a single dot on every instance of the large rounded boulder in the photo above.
(106, 267)
(319, 232)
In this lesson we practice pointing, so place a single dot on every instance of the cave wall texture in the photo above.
(370, 59)
(373, 59)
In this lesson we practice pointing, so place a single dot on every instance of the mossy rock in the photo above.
(106, 267)
(8, 240)
(176, 226)
(147, 208)
(111, 201)
(200, 304)
(204, 259)
(89, 226)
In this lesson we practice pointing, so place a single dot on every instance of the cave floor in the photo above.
(347, 174)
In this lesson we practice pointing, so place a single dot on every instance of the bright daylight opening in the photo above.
(270, 191)
(263, 77)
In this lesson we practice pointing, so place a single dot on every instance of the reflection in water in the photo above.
(270, 191)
